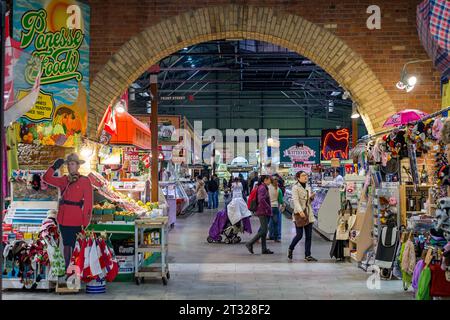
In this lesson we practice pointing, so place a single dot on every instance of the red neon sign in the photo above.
(335, 144)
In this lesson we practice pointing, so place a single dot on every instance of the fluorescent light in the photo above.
(192, 65)
(144, 94)
(355, 115)
(189, 59)
(135, 85)
(185, 48)
(335, 93)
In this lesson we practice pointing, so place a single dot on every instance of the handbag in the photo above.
(298, 219)
(346, 220)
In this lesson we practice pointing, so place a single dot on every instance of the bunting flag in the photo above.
(110, 121)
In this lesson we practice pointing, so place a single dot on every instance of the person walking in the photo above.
(253, 181)
(237, 189)
(276, 201)
(200, 193)
(212, 188)
(76, 201)
(216, 194)
(263, 211)
(244, 186)
(302, 197)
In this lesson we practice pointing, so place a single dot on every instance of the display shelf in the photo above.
(408, 193)
(363, 227)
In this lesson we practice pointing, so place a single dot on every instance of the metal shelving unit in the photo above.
(156, 269)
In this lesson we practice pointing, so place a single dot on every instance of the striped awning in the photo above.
(433, 26)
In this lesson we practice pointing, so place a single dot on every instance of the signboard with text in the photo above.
(301, 153)
(57, 32)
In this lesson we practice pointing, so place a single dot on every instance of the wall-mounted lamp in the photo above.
(408, 81)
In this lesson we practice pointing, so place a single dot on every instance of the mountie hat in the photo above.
(74, 157)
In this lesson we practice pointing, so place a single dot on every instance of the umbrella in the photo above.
(433, 27)
(404, 117)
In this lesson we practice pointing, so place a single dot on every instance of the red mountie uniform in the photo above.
(78, 191)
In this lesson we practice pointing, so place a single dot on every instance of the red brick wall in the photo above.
(114, 22)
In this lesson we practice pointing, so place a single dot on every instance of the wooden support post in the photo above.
(154, 137)
(354, 132)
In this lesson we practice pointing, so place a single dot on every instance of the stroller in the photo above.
(222, 226)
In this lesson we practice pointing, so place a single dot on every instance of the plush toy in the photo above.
(436, 129)
(445, 135)
(393, 201)
(444, 176)
(36, 182)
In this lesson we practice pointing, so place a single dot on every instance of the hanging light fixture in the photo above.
(355, 113)
(407, 81)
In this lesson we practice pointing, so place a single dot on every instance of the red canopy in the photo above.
(131, 131)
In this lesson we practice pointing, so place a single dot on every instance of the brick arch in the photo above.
(242, 22)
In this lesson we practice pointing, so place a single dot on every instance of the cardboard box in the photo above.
(107, 217)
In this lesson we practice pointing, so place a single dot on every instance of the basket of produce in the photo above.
(118, 216)
(129, 216)
(108, 208)
(97, 209)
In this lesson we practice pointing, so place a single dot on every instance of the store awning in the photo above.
(433, 27)
(131, 131)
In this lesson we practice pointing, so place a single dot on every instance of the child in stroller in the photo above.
(223, 226)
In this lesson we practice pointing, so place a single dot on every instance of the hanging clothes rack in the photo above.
(433, 115)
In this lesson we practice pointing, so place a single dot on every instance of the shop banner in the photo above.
(301, 153)
(56, 32)
(335, 144)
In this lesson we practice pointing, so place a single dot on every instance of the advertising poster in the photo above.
(335, 144)
(56, 32)
(302, 153)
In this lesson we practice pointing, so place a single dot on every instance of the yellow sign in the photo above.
(43, 108)
(446, 95)
(335, 163)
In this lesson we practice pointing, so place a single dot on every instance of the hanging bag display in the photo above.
(346, 221)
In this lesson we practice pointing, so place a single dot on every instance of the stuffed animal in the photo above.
(442, 216)
(393, 201)
(445, 135)
(436, 129)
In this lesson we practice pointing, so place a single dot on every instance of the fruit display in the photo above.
(64, 130)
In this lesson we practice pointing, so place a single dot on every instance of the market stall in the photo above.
(405, 195)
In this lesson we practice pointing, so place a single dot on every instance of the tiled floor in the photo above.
(200, 270)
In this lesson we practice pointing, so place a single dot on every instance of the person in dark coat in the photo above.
(212, 188)
(263, 212)
(244, 186)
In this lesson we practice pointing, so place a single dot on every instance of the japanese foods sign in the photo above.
(56, 32)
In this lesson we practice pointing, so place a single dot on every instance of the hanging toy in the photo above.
(36, 182)
(446, 132)
(437, 128)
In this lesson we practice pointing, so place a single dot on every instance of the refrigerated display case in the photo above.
(176, 197)
(188, 187)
